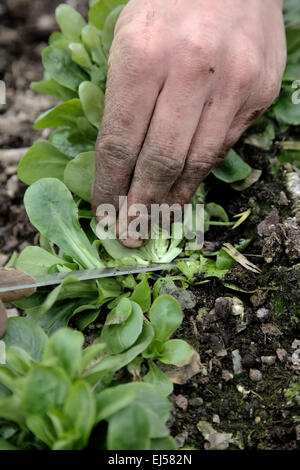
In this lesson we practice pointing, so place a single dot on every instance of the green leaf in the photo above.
(129, 429)
(92, 100)
(110, 364)
(45, 388)
(224, 261)
(142, 295)
(155, 405)
(70, 21)
(112, 400)
(65, 114)
(57, 60)
(80, 411)
(90, 353)
(71, 142)
(41, 427)
(232, 169)
(5, 445)
(165, 443)
(285, 110)
(166, 316)
(36, 261)
(40, 161)
(119, 337)
(176, 352)
(109, 28)
(52, 210)
(53, 88)
(18, 359)
(120, 313)
(27, 335)
(92, 42)
(10, 409)
(217, 211)
(79, 175)
(80, 55)
(159, 379)
(99, 12)
(64, 350)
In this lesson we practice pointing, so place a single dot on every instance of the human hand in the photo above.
(185, 81)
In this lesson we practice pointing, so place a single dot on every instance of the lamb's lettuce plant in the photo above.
(54, 394)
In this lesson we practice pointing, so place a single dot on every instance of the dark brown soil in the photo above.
(258, 414)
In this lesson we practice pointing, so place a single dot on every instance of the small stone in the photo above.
(270, 329)
(255, 375)
(201, 314)
(296, 358)
(262, 313)
(3, 259)
(282, 354)
(12, 186)
(268, 360)
(195, 402)
(297, 429)
(181, 402)
(258, 298)
(12, 312)
(237, 307)
(283, 200)
(216, 419)
(237, 362)
(226, 375)
(181, 438)
(223, 307)
(296, 344)
(257, 420)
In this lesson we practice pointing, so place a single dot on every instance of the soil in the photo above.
(251, 405)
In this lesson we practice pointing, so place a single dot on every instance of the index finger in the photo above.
(131, 95)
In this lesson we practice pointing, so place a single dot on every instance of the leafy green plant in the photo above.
(55, 394)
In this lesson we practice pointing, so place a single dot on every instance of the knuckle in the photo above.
(246, 67)
(160, 165)
(196, 57)
(270, 91)
(114, 152)
(138, 57)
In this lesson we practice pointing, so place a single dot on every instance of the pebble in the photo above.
(197, 401)
(268, 360)
(12, 312)
(226, 375)
(296, 344)
(262, 313)
(181, 402)
(296, 358)
(237, 307)
(3, 259)
(257, 420)
(255, 375)
(216, 419)
(282, 354)
(237, 362)
(181, 438)
(12, 186)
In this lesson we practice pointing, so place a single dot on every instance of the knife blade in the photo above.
(82, 275)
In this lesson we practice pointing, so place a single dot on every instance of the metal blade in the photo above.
(88, 274)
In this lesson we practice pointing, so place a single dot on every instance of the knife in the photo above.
(13, 280)
(16, 285)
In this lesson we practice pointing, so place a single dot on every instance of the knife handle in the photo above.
(3, 320)
(10, 277)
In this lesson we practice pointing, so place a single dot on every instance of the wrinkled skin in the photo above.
(186, 79)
